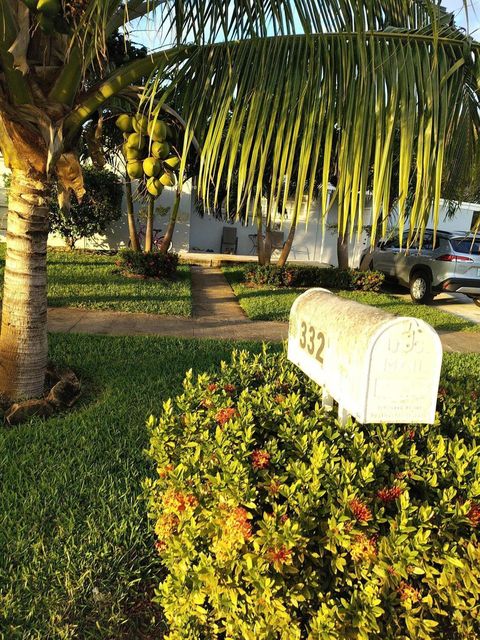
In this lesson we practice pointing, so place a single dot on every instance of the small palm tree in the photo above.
(249, 75)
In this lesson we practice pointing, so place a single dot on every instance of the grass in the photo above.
(270, 303)
(76, 553)
(77, 556)
(86, 280)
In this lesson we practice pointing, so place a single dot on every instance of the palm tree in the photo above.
(259, 70)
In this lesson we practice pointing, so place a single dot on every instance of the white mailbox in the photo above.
(377, 366)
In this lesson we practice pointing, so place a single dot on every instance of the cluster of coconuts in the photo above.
(50, 15)
(148, 152)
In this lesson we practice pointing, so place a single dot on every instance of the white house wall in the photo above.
(462, 220)
(310, 243)
(196, 233)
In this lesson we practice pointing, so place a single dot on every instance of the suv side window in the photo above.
(392, 243)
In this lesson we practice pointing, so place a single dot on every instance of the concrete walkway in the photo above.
(216, 314)
(212, 296)
(113, 323)
(116, 323)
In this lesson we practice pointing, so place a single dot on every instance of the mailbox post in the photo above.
(377, 366)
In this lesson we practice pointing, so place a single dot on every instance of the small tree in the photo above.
(101, 205)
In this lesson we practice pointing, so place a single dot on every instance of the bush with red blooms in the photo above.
(272, 520)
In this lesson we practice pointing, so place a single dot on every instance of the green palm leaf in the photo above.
(247, 102)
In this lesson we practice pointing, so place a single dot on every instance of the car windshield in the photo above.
(466, 245)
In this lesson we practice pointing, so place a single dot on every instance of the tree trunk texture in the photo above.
(342, 251)
(268, 244)
(149, 228)
(132, 227)
(23, 338)
(287, 247)
(171, 225)
(260, 241)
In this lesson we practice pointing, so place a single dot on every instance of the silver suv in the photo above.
(453, 264)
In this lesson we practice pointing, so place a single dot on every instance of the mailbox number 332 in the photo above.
(312, 341)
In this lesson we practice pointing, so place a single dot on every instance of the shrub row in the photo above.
(149, 265)
(310, 276)
(273, 521)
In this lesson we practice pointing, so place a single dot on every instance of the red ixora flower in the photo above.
(165, 471)
(260, 459)
(279, 555)
(360, 510)
(224, 415)
(408, 593)
(178, 501)
(238, 518)
(474, 514)
(389, 494)
(229, 388)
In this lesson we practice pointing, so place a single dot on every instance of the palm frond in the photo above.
(350, 95)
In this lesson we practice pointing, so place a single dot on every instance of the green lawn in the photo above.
(76, 552)
(77, 556)
(269, 303)
(79, 279)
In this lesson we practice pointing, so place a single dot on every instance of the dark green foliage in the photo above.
(310, 276)
(100, 206)
(149, 265)
(274, 521)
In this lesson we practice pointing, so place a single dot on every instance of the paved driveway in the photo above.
(458, 304)
(455, 303)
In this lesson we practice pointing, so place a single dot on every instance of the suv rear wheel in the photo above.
(421, 287)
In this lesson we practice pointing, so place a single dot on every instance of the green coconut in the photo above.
(157, 130)
(49, 8)
(172, 162)
(135, 169)
(154, 187)
(140, 123)
(136, 141)
(151, 167)
(131, 153)
(124, 122)
(160, 150)
(167, 179)
(46, 24)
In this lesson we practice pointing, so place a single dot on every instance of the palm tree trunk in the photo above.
(342, 251)
(287, 247)
(268, 244)
(149, 229)
(171, 225)
(132, 228)
(260, 242)
(23, 338)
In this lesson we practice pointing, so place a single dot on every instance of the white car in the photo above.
(453, 264)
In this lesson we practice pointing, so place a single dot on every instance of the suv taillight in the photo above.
(448, 257)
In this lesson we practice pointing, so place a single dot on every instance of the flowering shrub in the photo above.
(274, 521)
(310, 276)
(150, 265)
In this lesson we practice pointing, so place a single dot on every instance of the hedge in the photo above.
(311, 276)
(274, 521)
